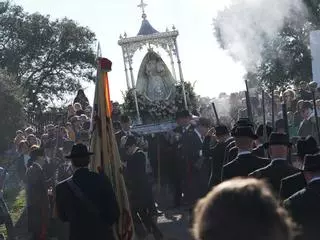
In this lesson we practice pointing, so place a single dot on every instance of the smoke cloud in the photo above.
(246, 25)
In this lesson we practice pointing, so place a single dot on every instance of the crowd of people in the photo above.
(41, 164)
(232, 107)
(276, 196)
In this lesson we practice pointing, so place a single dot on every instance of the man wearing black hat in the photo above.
(218, 154)
(178, 166)
(196, 174)
(304, 205)
(279, 167)
(296, 182)
(125, 122)
(86, 200)
(139, 190)
(232, 149)
(245, 162)
(308, 125)
(259, 151)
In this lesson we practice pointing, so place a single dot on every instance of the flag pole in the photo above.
(106, 157)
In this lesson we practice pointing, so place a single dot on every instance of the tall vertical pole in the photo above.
(264, 118)
(272, 109)
(264, 123)
(249, 108)
(125, 67)
(313, 87)
(286, 126)
(172, 64)
(181, 74)
(134, 88)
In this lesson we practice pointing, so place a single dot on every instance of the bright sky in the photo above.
(202, 59)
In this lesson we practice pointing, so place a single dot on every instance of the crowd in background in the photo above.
(234, 106)
(188, 154)
(40, 160)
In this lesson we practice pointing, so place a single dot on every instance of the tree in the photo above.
(11, 110)
(48, 59)
(286, 57)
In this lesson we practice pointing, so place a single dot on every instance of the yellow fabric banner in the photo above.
(106, 155)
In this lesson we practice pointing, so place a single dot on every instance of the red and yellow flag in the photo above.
(106, 154)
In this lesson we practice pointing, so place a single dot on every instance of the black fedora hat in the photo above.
(221, 130)
(278, 139)
(79, 151)
(306, 145)
(244, 131)
(311, 162)
(259, 131)
(244, 122)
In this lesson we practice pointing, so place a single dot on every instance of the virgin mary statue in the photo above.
(155, 81)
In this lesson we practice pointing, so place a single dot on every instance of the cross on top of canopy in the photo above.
(148, 36)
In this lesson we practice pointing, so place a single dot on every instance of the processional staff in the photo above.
(215, 113)
(264, 120)
(249, 109)
(272, 108)
(313, 86)
(286, 126)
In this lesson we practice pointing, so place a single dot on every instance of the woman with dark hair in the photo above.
(139, 190)
(82, 99)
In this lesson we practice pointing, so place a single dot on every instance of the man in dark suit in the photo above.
(304, 205)
(232, 149)
(279, 167)
(197, 170)
(86, 200)
(227, 157)
(223, 138)
(126, 123)
(178, 165)
(232, 152)
(245, 162)
(259, 150)
(308, 125)
(296, 182)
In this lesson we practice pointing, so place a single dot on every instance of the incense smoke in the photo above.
(247, 25)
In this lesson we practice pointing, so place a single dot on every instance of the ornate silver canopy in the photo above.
(150, 37)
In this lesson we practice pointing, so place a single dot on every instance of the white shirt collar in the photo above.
(199, 135)
(311, 115)
(243, 152)
(278, 159)
(314, 179)
(187, 127)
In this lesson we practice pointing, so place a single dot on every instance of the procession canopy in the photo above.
(148, 37)
(157, 91)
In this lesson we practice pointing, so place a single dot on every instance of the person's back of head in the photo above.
(241, 209)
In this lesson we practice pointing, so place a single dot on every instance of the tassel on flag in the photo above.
(106, 155)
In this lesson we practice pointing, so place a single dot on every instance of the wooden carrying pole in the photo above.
(215, 113)
(249, 109)
(286, 126)
(264, 122)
